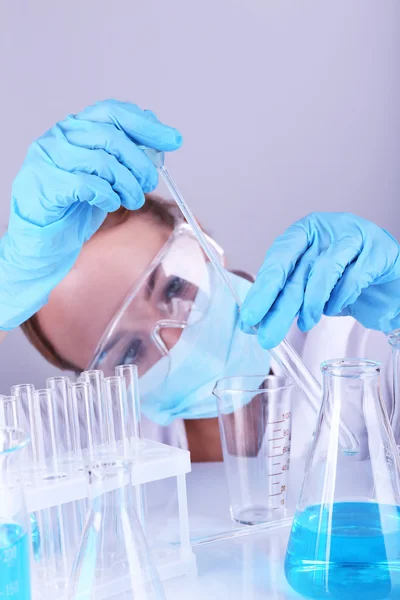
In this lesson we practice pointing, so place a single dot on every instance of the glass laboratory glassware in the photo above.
(114, 560)
(254, 416)
(103, 417)
(121, 394)
(63, 407)
(84, 420)
(23, 396)
(122, 426)
(14, 520)
(345, 537)
(394, 341)
(103, 435)
(9, 417)
(130, 374)
(8, 412)
(52, 432)
(54, 536)
(27, 415)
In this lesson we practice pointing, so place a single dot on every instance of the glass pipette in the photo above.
(284, 354)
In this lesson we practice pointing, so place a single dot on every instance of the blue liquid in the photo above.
(356, 561)
(14, 563)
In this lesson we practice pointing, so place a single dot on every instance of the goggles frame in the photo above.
(182, 228)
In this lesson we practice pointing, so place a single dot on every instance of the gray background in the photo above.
(286, 107)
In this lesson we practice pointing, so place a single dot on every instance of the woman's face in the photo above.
(82, 305)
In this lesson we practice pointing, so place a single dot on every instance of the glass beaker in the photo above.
(254, 414)
(114, 560)
(345, 538)
(14, 520)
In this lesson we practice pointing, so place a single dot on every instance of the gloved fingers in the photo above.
(279, 263)
(102, 165)
(82, 222)
(94, 136)
(141, 126)
(57, 189)
(45, 248)
(357, 277)
(93, 190)
(324, 275)
(277, 322)
(121, 180)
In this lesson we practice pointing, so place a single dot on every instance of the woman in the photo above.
(69, 264)
(140, 285)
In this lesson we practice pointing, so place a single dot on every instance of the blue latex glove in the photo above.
(326, 263)
(83, 168)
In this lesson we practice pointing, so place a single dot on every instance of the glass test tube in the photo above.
(104, 432)
(122, 395)
(49, 427)
(60, 389)
(70, 515)
(85, 425)
(27, 418)
(117, 405)
(45, 428)
(8, 412)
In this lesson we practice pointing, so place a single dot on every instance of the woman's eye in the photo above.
(175, 287)
(132, 354)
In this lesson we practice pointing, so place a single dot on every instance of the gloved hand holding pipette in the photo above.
(326, 263)
(83, 168)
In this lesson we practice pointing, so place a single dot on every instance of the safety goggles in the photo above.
(173, 293)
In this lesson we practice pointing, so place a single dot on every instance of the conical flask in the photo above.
(345, 538)
(114, 560)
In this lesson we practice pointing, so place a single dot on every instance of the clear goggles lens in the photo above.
(173, 293)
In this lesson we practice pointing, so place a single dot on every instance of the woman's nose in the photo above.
(170, 335)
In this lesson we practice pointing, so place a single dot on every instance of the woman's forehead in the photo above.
(82, 305)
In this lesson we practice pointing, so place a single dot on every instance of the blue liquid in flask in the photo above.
(14, 563)
(359, 559)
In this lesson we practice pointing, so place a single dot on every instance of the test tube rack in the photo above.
(55, 473)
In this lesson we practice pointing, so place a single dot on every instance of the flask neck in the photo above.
(353, 381)
(370, 472)
(351, 396)
(108, 481)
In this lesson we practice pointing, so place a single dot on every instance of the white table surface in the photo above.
(246, 567)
